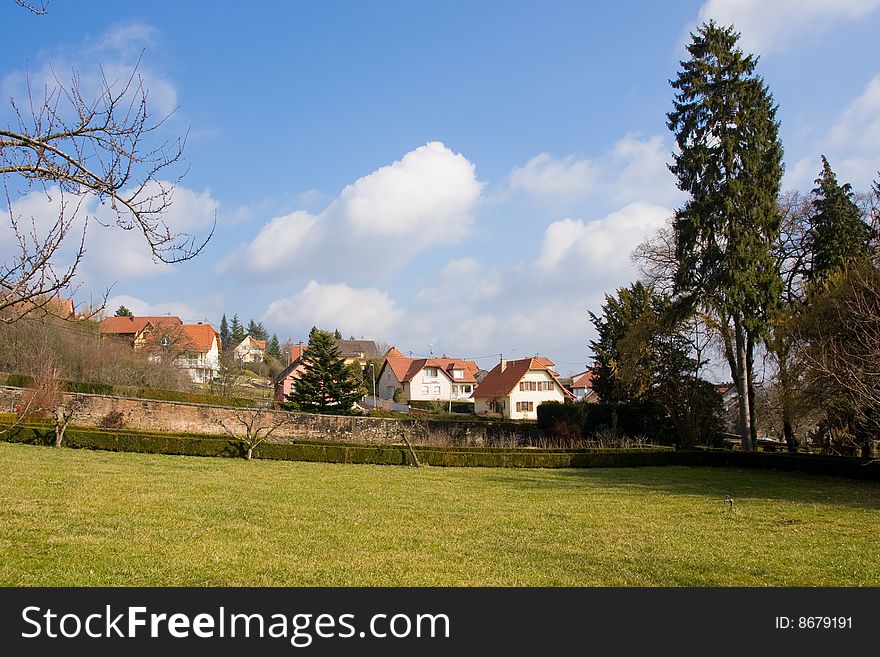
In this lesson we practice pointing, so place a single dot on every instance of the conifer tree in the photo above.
(273, 348)
(224, 333)
(122, 311)
(256, 330)
(327, 384)
(730, 164)
(236, 332)
(838, 237)
(337, 334)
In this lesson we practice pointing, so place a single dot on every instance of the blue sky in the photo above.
(466, 175)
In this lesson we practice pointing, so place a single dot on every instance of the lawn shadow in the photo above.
(740, 484)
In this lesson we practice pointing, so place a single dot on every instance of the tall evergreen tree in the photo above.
(224, 333)
(273, 348)
(730, 164)
(256, 330)
(236, 332)
(839, 236)
(337, 334)
(122, 311)
(327, 384)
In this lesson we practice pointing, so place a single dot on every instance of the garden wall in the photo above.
(178, 417)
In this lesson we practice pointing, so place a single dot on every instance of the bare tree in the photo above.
(252, 427)
(74, 149)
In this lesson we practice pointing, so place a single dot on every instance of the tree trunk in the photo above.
(60, 425)
(742, 389)
(750, 381)
(249, 453)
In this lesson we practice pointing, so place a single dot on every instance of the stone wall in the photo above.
(177, 417)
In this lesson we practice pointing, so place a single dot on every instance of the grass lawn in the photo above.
(78, 517)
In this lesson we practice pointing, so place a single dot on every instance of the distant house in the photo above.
(200, 344)
(582, 386)
(514, 389)
(134, 330)
(250, 350)
(729, 405)
(351, 351)
(194, 348)
(439, 379)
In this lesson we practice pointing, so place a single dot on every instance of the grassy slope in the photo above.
(76, 517)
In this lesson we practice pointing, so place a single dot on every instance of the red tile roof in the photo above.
(584, 380)
(134, 325)
(500, 383)
(199, 337)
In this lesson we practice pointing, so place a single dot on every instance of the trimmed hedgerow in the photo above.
(193, 398)
(88, 387)
(42, 433)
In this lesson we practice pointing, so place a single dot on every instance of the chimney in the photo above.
(503, 364)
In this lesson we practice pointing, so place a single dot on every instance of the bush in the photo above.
(440, 406)
(19, 380)
(632, 420)
(194, 398)
(88, 387)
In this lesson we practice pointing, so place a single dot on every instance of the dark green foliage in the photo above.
(457, 406)
(273, 348)
(645, 369)
(839, 236)
(256, 330)
(327, 384)
(194, 445)
(19, 380)
(224, 334)
(627, 419)
(88, 387)
(730, 165)
(619, 314)
(193, 398)
(337, 334)
(236, 332)
(122, 311)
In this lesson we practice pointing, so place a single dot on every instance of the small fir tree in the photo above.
(838, 237)
(224, 333)
(122, 311)
(327, 384)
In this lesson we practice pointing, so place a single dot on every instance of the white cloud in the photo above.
(365, 311)
(377, 223)
(112, 254)
(427, 195)
(777, 24)
(598, 251)
(852, 145)
(633, 170)
(545, 175)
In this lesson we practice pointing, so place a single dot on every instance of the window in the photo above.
(436, 390)
(426, 390)
(390, 392)
(430, 374)
(467, 389)
(525, 407)
(457, 374)
(528, 386)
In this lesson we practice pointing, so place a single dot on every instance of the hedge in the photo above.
(457, 406)
(42, 433)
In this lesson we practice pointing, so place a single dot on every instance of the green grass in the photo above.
(90, 518)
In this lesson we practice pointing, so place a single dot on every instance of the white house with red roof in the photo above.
(582, 386)
(200, 344)
(427, 379)
(514, 389)
(250, 350)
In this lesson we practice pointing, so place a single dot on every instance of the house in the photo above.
(582, 387)
(514, 389)
(729, 405)
(250, 350)
(134, 330)
(351, 351)
(200, 347)
(427, 378)
(194, 348)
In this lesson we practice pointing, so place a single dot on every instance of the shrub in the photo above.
(19, 380)
(88, 387)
